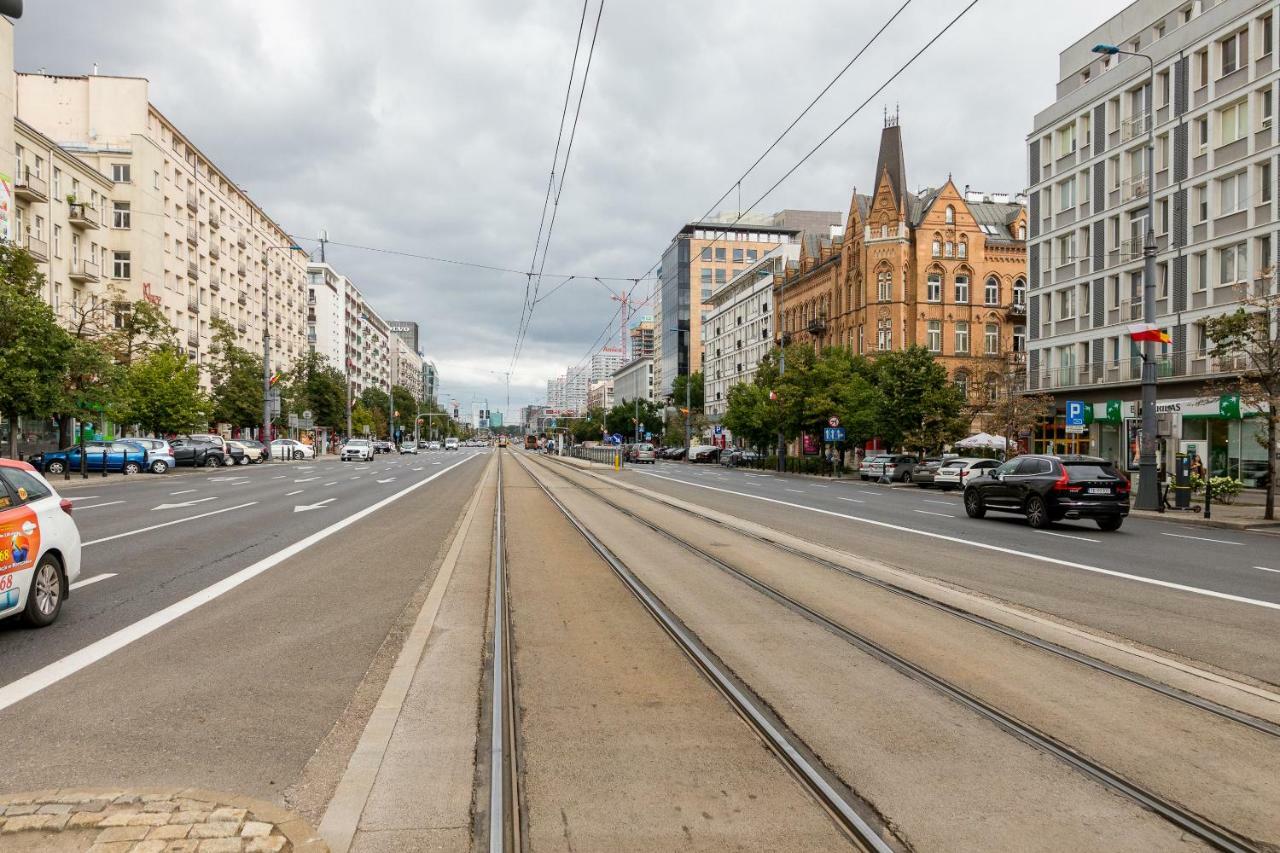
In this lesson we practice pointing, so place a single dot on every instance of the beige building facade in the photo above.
(180, 232)
(406, 367)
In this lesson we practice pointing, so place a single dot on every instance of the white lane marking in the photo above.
(95, 506)
(295, 492)
(944, 503)
(50, 674)
(334, 483)
(305, 467)
(854, 500)
(388, 480)
(1084, 567)
(317, 505)
(165, 524)
(865, 492)
(183, 492)
(819, 486)
(419, 468)
(1202, 539)
(306, 479)
(1265, 569)
(281, 477)
(83, 498)
(93, 579)
(931, 512)
(1068, 536)
(435, 463)
(797, 491)
(182, 504)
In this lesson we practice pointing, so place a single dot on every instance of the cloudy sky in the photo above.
(428, 128)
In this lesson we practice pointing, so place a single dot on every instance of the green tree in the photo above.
(361, 419)
(406, 407)
(751, 416)
(90, 386)
(161, 393)
(33, 347)
(375, 402)
(589, 428)
(236, 374)
(694, 384)
(138, 329)
(621, 419)
(317, 386)
(918, 402)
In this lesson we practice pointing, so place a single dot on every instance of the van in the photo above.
(451, 444)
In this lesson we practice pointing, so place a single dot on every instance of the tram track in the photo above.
(504, 824)
(1188, 821)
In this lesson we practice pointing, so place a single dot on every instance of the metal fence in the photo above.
(603, 455)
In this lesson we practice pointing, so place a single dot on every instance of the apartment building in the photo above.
(634, 380)
(556, 393)
(641, 339)
(737, 328)
(430, 380)
(326, 329)
(600, 394)
(182, 233)
(1212, 117)
(367, 342)
(406, 366)
(704, 256)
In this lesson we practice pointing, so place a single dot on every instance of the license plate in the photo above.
(1100, 491)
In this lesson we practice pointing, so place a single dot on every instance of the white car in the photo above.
(433, 445)
(409, 447)
(954, 473)
(287, 448)
(359, 449)
(39, 546)
(451, 444)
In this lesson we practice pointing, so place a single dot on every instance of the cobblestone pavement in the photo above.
(149, 821)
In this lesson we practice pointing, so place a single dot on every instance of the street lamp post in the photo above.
(1148, 488)
(266, 343)
(782, 369)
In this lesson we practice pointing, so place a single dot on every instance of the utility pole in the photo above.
(782, 369)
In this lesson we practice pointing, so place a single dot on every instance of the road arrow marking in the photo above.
(320, 505)
(191, 502)
(388, 480)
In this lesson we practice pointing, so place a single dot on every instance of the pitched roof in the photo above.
(892, 159)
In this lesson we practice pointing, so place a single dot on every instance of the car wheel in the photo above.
(297, 454)
(132, 468)
(211, 462)
(159, 466)
(57, 466)
(1110, 523)
(1037, 512)
(244, 460)
(44, 599)
(973, 505)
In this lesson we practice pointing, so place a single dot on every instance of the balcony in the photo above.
(31, 188)
(83, 271)
(214, 250)
(242, 298)
(240, 269)
(817, 326)
(193, 338)
(81, 215)
(193, 233)
(215, 285)
(193, 303)
(215, 222)
(1016, 309)
(1134, 188)
(242, 241)
(193, 270)
(37, 248)
(241, 327)
(191, 200)
(1132, 128)
(1188, 364)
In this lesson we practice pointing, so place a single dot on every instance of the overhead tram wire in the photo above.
(527, 305)
(555, 207)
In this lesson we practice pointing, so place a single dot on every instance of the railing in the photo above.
(240, 269)
(1134, 187)
(82, 215)
(84, 271)
(193, 338)
(1131, 248)
(193, 233)
(38, 247)
(30, 185)
(1170, 365)
(214, 251)
(240, 327)
(604, 455)
(214, 284)
(191, 200)
(242, 298)
(817, 326)
(193, 303)
(242, 242)
(215, 222)
(1134, 126)
(193, 270)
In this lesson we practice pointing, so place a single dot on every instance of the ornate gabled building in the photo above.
(943, 269)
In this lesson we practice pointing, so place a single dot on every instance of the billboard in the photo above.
(6, 208)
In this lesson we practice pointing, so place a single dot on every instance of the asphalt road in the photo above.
(1208, 595)
(218, 630)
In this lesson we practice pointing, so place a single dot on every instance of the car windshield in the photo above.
(357, 442)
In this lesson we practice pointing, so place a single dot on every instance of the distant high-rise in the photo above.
(407, 331)
(641, 339)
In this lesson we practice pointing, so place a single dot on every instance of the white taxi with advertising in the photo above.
(39, 546)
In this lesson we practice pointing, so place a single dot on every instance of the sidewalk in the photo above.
(1232, 516)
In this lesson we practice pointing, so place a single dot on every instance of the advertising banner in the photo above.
(6, 208)
(19, 545)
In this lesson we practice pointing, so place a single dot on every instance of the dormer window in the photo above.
(951, 215)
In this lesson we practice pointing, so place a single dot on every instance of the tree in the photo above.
(236, 374)
(361, 421)
(317, 386)
(33, 345)
(406, 408)
(1009, 411)
(694, 383)
(138, 330)
(1251, 334)
(589, 428)
(90, 385)
(375, 402)
(918, 402)
(750, 415)
(162, 393)
(621, 419)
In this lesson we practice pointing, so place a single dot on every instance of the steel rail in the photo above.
(504, 818)
(1207, 831)
(821, 782)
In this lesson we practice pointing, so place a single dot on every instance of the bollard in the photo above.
(1208, 492)
(84, 460)
(104, 463)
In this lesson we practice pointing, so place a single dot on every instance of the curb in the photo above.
(1259, 526)
(143, 819)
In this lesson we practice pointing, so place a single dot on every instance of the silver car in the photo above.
(359, 449)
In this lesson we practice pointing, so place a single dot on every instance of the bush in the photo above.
(1223, 490)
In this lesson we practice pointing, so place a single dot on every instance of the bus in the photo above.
(530, 442)
(502, 440)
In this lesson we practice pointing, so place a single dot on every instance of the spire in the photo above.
(891, 159)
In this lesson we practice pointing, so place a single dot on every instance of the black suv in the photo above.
(198, 452)
(1050, 488)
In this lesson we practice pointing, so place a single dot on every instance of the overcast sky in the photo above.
(428, 128)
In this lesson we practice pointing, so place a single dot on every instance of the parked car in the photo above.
(1050, 488)
(704, 453)
(451, 444)
(922, 474)
(955, 473)
(435, 445)
(122, 455)
(287, 448)
(673, 453)
(383, 446)
(198, 452)
(252, 452)
(733, 457)
(357, 449)
(641, 453)
(408, 447)
(235, 455)
(159, 454)
(872, 466)
(39, 546)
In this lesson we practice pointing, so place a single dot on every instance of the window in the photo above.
(752, 255)
(884, 335)
(120, 214)
(120, 173)
(1067, 194)
(1268, 39)
(1019, 292)
(933, 288)
(720, 276)
(1202, 202)
(57, 182)
(962, 288)
(720, 253)
(1162, 89)
(1066, 249)
(1066, 140)
(27, 487)
(1232, 193)
(1019, 338)
(992, 291)
(991, 339)
(1233, 264)
(963, 248)
(962, 338)
(950, 215)
(155, 180)
(1265, 108)
(962, 382)
(1202, 132)
(737, 256)
(1264, 178)
(1022, 232)
(706, 275)
(1066, 303)
(1234, 121)
(1264, 256)
(1234, 52)
(706, 254)
(122, 265)
(933, 336)
(57, 241)
(1202, 271)
(884, 286)
(937, 247)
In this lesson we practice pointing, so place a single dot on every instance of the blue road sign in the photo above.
(615, 438)
(648, 436)
(1075, 413)
(719, 429)
(830, 434)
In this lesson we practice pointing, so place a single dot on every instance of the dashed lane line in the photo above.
(931, 512)
(1068, 536)
(291, 494)
(149, 528)
(94, 579)
(183, 492)
(1202, 538)
(853, 500)
(95, 506)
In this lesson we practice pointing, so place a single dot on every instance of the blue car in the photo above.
(119, 456)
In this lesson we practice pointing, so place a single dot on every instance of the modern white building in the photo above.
(600, 395)
(634, 380)
(1212, 114)
(326, 328)
(430, 380)
(605, 363)
(736, 327)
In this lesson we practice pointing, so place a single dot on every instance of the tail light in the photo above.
(964, 472)
(66, 506)
(1064, 483)
(1122, 487)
